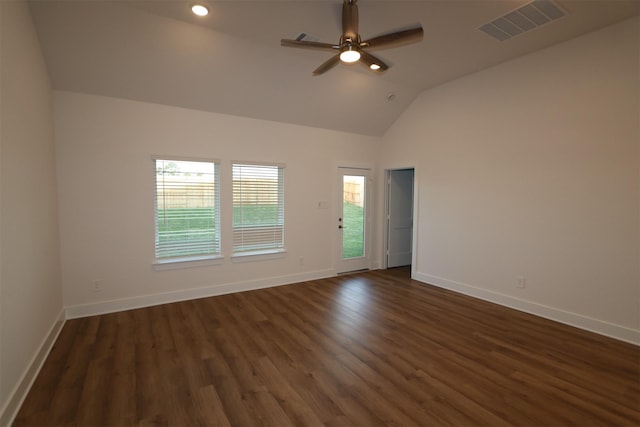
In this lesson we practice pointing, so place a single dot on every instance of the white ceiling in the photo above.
(231, 61)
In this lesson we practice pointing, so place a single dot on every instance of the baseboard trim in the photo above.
(19, 393)
(113, 306)
(621, 333)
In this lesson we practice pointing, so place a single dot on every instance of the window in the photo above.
(258, 208)
(187, 210)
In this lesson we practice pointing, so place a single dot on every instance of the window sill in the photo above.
(187, 262)
(259, 255)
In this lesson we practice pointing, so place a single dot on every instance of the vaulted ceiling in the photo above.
(231, 61)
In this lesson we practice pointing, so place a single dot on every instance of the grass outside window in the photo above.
(198, 224)
(353, 231)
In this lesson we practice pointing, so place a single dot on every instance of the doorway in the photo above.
(399, 227)
(353, 219)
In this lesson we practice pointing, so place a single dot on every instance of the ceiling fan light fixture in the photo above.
(200, 10)
(374, 67)
(349, 55)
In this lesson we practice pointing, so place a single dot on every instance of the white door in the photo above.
(399, 217)
(352, 222)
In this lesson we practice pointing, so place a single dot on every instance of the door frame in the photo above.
(414, 231)
(368, 225)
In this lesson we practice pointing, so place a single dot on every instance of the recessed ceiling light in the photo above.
(374, 67)
(200, 10)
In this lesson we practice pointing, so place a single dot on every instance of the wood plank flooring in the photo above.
(368, 349)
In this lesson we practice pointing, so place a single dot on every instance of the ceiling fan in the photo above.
(351, 48)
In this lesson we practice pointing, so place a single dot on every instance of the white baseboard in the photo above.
(104, 307)
(621, 333)
(19, 393)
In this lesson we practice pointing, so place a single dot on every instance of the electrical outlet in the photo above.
(521, 282)
(96, 286)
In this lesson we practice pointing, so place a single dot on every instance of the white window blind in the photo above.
(258, 208)
(187, 209)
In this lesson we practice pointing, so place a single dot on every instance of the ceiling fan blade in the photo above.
(327, 65)
(308, 45)
(394, 39)
(368, 60)
(349, 20)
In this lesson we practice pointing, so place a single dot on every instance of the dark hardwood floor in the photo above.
(368, 349)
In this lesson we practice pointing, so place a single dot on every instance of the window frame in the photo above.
(261, 253)
(194, 260)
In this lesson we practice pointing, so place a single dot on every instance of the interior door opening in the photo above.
(399, 216)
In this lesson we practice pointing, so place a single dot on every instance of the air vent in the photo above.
(526, 18)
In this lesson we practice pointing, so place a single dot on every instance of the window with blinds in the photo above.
(258, 208)
(187, 209)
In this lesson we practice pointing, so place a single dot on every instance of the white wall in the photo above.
(531, 168)
(105, 177)
(30, 288)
